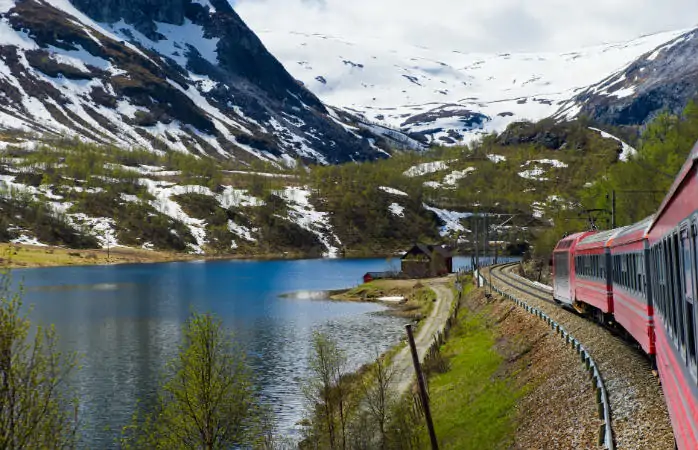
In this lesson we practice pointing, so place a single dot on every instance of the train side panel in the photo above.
(631, 287)
(673, 245)
(680, 392)
(564, 268)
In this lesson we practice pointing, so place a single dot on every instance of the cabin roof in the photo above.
(427, 250)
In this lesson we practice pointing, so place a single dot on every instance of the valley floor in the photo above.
(25, 256)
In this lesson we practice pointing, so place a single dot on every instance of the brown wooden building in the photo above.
(424, 261)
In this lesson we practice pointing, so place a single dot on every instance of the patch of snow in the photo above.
(235, 198)
(427, 168)
(432, 184)
(496, 158)
(303, 213)
(102, 228)
(553, 162)
(27, 240)
(391, 299)
(241, 231)
(162, 191)
(533, 174)
(206, 4)
(625, 92)
(129, 198)
(452, 178)
(627, 151)
(452, 219)
(397, 210)
(538, 210)
(392, 191)
(261, 174)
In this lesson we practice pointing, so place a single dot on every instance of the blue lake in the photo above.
(125, 321)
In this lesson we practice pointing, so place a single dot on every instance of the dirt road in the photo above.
(402, 364)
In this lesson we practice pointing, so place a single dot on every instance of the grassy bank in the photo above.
(19, 256)
(419, 298)
(15, 256)
(474, 403)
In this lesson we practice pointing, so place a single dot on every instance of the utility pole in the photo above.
(485, 246)
(422, 388)
(477, 244)
(613, 209)
(496, 244)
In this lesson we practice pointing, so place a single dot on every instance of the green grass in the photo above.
(472, 407)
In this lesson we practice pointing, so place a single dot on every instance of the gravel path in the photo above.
(402, 363)
(639, 415)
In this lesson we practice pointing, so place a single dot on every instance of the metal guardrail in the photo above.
(605, 430)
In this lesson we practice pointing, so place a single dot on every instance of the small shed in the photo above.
(424, 261)
(370, 276)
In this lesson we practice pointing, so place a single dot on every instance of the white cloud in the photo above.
(475, 26)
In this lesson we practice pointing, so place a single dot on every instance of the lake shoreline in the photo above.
(27, 256)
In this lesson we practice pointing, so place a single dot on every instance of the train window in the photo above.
(669, 291)
(678, 294)
(593, 266)
(688, 277)
(654, 273)
(636, 272)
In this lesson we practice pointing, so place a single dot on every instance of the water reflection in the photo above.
(126, 322)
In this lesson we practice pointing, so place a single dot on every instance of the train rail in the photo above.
(638, 413)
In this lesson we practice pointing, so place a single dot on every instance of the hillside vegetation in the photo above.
(532, 178)
(641, 183)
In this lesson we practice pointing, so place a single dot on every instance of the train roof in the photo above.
(633, 232)
(597, 240)
(565, 243)
(685, 171)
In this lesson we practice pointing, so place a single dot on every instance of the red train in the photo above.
(644, 278)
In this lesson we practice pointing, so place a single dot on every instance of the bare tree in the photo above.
(327, 395)
(35, 410)
(380, 397)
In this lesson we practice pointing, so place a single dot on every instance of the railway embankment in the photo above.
(639, 416)
(511, 383)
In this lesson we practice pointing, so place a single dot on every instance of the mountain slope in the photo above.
(442, 95)
(663, 79)
(185, 75)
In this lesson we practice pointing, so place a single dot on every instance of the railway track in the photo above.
(639, 416)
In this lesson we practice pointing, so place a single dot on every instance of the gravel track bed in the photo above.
(638, 411)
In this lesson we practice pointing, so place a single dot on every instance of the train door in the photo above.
(687, 239)
(561, 263)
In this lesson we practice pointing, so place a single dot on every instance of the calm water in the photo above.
(126, 322)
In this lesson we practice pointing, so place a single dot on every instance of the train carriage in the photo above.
(563, 267)
(632, 296)
(646, 277)
(674, 268)
(592, 285)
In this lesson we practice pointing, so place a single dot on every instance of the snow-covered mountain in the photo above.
(187, 75)
(664, 79)
(443, 95)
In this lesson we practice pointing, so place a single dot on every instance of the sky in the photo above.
(475, 25)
